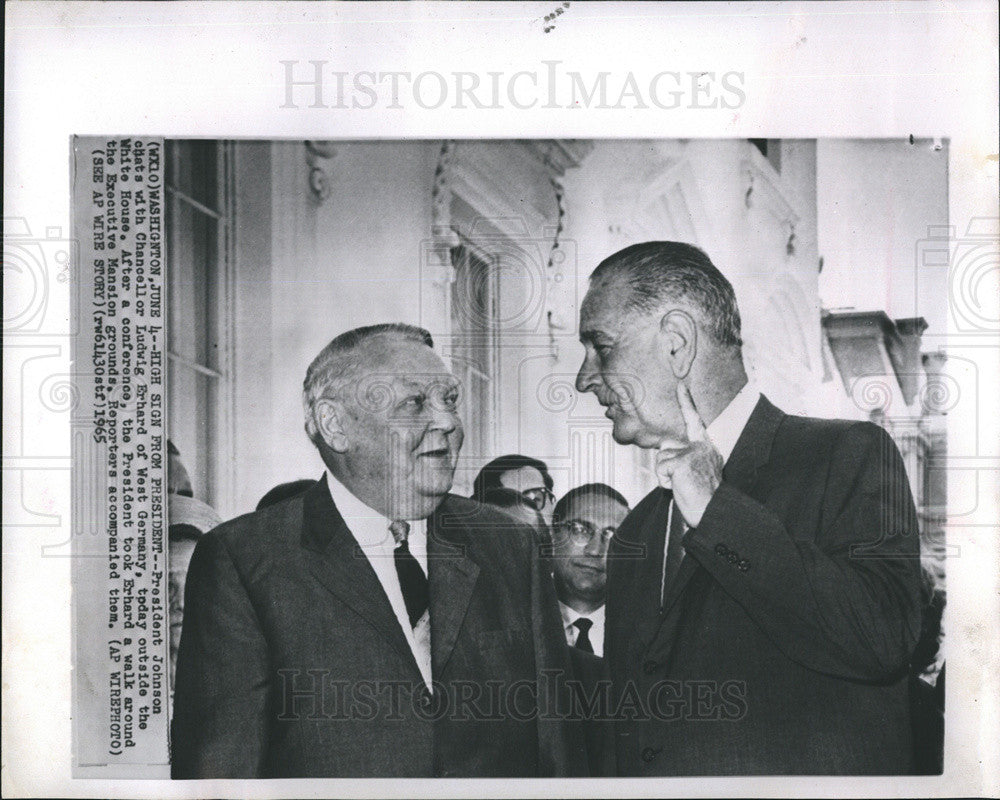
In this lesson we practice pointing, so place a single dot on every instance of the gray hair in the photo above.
(339, 362)
(660, 271)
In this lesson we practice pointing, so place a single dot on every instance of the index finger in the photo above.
(692, 419)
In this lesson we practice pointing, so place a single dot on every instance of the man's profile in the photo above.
(764, 600)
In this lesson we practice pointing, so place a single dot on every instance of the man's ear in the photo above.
(680, 334)
(329, 422)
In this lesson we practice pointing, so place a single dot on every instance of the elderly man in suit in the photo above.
(374, 626)
(764, 601)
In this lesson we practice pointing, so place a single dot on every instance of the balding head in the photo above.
(340, 363)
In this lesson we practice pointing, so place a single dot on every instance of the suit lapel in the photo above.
(753, 448)
(689, 566)
(452, 577)
(341, 566)
(653, 537)
(751, 452)
(667, 622)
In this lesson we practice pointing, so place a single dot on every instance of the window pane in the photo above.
(191, 397)
(194, 301)
(193, 331)
(473, 321)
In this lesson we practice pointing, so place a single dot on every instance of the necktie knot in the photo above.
(583, 625)
(412, 580)
(400, 530)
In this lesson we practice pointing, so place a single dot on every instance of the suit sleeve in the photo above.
(845, 601)
(220, 703)
(562, 747)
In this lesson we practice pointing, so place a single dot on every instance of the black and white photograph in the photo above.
(645, 459)
(533, 466)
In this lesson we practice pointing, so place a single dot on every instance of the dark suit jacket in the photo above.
(784, 640)
(592, 685)
(293, 664)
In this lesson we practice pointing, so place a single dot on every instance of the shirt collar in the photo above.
(570, 616)
(726, 428)
(368, 526)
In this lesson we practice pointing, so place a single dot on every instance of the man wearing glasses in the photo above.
(524, 474)
(584, 521)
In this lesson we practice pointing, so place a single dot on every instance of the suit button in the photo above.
(649, 754)
(744, 565)
(649, 667)
(721, 550)
(733, 558)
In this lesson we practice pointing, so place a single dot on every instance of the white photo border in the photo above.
(214, 70)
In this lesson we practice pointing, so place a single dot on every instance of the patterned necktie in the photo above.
(675, 550)
(583, 625)
(412, 580)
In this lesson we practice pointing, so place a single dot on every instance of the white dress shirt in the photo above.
(596, 632)
(371, 531)
(725, 429)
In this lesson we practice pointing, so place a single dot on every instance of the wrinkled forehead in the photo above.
(396, 353)
(403, 364)
(603, 307)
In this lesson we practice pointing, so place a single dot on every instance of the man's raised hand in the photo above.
(692, 468)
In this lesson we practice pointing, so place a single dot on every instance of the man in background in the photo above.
(584, 522)
(581, 565)
(524, 474)
(512, 502)
(764, 601)
(350, 631)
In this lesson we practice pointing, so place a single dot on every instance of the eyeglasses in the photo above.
(539, 497)
(581, 532)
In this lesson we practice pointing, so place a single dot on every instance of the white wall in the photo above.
(351, 260)
(877, 198)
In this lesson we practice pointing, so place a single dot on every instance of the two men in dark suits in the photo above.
(374, 626)
(764, 601)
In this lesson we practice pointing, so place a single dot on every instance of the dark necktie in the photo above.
(412, 580)
(583, 625)
(675, 550)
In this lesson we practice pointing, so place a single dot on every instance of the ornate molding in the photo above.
(318, 154)
(443, 237)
